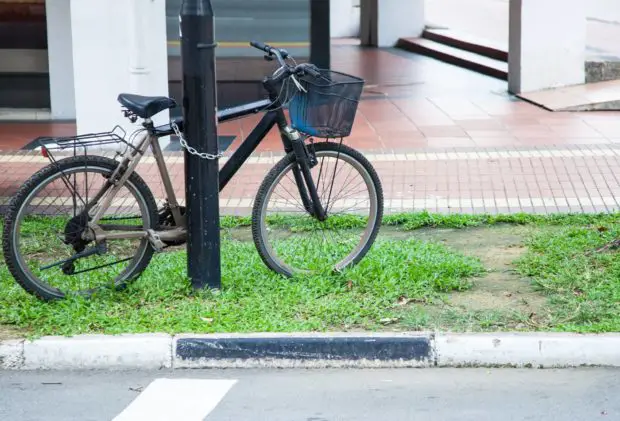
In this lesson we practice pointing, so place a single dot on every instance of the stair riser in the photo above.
(457, 61)
(601, 71)
(482, 50)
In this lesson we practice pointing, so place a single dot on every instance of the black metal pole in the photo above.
(200, 121)
(320, 38)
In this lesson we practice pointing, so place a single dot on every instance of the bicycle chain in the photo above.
(192, 150)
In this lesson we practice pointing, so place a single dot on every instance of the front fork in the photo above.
(304, 161)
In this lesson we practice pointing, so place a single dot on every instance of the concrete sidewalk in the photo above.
(582, 178)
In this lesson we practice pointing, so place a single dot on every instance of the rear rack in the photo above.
(79, 145)
(115, 136)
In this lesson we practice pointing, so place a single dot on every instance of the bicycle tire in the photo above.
(274, 175)
(36, 287)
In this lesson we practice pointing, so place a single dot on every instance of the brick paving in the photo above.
(583, 178)
(443, 139)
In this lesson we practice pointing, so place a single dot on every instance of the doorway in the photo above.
(24, 79)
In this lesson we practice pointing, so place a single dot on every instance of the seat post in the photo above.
(165, 178)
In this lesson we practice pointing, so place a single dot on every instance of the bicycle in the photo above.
(323, 105)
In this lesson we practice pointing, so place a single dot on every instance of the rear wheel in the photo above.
(46, 219)
(291, 241)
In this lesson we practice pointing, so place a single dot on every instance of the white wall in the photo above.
(60, 59)
(102, 58)
(547, 49)
(383, 22)
(344, 18)
(608, 10)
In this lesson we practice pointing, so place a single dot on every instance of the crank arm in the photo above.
(98, 249)
(112, 227)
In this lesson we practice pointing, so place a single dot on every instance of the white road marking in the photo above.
(176, 400)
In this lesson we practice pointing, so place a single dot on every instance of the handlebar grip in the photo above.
(261, 46)
(310, 69)
(313, 72)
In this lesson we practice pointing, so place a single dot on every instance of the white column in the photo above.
(547, 44)
(118, 46)
(344, 18)
(60, 58)
(383, 22)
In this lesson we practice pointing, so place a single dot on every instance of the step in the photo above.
(456, 56)
(467, 42)
(588, 97)
(24, 114)
(601, 69)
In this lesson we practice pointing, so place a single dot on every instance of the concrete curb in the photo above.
(303, 350)
(310, 350)
(539, 350)
(11, 354)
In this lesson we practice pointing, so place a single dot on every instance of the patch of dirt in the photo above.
(502, 289)
(8, 333)
(500, 298)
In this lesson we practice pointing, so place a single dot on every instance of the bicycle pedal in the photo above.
(68, 268)
(155, 241)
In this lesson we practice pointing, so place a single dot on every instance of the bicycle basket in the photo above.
(328, 107)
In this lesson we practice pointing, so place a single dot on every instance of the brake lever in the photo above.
(268, 57)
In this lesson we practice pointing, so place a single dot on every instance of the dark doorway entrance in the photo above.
(24, 79)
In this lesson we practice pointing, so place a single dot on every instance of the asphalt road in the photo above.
(314, 395)
(239, 21)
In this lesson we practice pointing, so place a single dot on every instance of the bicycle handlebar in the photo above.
(260, 46)
(310, 69)
(281, 55)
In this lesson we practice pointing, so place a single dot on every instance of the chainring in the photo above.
(166, 220)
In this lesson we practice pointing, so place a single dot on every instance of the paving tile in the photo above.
(433, 150)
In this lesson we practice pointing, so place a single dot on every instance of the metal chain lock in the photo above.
(192, 150)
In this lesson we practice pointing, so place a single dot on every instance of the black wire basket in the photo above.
(327, 105)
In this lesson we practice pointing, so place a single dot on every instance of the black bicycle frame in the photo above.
(251, 142)
(271, 118)
(238, 158)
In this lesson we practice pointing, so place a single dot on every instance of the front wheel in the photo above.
(290, 241)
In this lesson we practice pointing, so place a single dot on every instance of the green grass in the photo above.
(583, 285)
(413, 221)
(252, 298)
(583, 290)
(416, 220)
